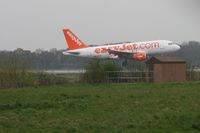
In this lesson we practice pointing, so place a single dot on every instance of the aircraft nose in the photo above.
(176, 47)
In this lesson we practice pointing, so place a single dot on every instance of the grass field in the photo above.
(173, 107)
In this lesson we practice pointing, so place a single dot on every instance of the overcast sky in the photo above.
(33, 24)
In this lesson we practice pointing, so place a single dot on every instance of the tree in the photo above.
(97, 71)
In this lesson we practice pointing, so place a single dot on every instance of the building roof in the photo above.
(164, 59)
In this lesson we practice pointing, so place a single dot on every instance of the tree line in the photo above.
(54, 59)
(43, 60)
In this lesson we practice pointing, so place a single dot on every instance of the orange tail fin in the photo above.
(73, 41)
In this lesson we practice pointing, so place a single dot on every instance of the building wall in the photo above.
(169, 72)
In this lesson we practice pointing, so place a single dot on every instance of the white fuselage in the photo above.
(148, 47)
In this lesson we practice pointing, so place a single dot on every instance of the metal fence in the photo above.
(192, 75)
(128, 77)
(141, 76)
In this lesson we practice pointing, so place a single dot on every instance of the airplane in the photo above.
(139, 51)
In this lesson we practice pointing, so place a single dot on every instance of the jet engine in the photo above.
(140, 56)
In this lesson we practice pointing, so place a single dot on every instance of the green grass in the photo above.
(173, 107)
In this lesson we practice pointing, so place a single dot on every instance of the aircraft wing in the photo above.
(120, 54)
(139, 55)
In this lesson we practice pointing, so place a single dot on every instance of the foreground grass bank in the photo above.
(102, 108)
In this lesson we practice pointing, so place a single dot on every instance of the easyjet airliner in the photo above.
(135, 50)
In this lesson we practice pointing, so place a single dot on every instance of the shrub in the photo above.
(15, 72)
(96, 71)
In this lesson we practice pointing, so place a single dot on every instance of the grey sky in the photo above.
(32, 24)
